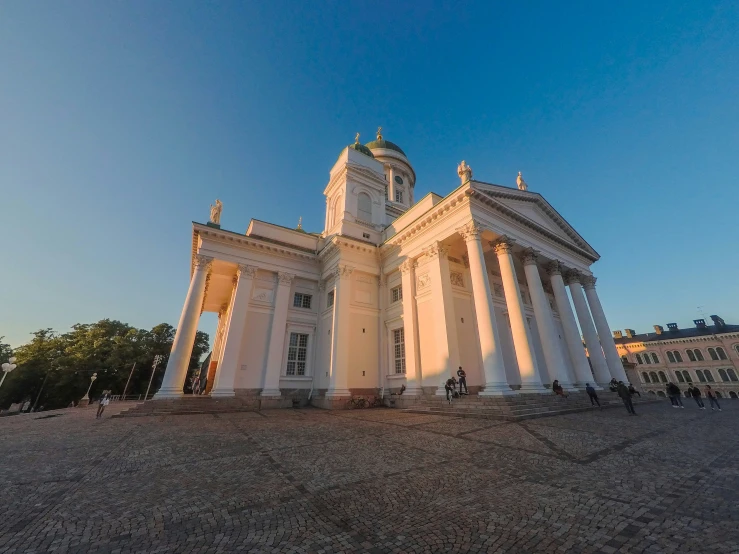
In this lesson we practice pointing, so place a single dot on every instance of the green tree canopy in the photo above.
(67, 361)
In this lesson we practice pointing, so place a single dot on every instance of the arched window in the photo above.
(638, 359)
(646, 358)
(698, 355)
(651, 392)
(662, 377)
(691, 356)
(678, 357)
(364, 207)
(670, 357)
(712, 353)
(654, 377)
(723, 375)
(655, 359)
(625, 359)
(708, 375)
(645, 376)
(732, 374)
(721, 353)
(736, 347)
(661, 393)
(701, 378)
(679, 376)
(718, 394)
(687, 377)
(732, 394)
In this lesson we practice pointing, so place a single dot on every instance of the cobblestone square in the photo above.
(370, 481)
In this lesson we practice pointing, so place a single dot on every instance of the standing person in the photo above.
(712, 397)
(674, 392)
(593, 395)
(462, 380)
(695, 392)
(671, 395)
(196, 384)
(623, 392)
(104, 401)
(449, 388)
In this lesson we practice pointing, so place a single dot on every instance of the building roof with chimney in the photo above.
(701, 329)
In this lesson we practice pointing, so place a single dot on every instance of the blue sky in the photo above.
(120, 122)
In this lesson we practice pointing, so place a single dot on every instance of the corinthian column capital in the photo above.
(503, 245)
(554, 268)
(572, 276)
(470, 231)
(407, 265)
(530, 257)
(343, 271)
(588, 282)
(203, 262)
(248, 271)
(436, 250)
(284, 279)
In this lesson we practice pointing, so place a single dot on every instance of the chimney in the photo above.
(618, 335)
(700, 323)
(718, 322)
(672, 326)
(630, 333)
(658, 329)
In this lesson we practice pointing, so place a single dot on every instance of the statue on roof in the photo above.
(356, 139)
(465, 172)
(215, 212)
(379, 133)
(521, 183)
(300, 219)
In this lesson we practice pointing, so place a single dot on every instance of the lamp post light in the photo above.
(7, 368)
(157, 359)
(87, 397)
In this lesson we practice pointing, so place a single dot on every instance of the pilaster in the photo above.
(339, 373)
(277, 336)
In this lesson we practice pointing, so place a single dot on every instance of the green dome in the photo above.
(362, 148)
(382, 143)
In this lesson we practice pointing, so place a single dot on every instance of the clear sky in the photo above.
(121, 122)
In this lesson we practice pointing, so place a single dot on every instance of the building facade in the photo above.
(701, 355)
(397, 291)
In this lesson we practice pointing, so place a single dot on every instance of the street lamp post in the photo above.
(7, 368)
(87, 397)
(158, 358)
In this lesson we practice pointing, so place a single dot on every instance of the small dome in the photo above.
(359, 147)
(382, 143)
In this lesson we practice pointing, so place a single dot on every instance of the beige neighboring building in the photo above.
(702, 355)
(396, 291)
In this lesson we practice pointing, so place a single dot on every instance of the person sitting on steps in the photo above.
(449, 388)
(557, 388)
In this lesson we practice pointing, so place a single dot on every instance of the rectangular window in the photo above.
(302, 300)
(397, 294)
(399, 350)
(330, 299)
(297, 354)
(398, 195)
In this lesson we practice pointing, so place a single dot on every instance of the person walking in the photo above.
(462, 380)
(711, 395)
(593, 395)
(696, 394)
(623, 392)
(104, 401)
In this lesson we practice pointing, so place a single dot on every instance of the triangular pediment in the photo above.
(532, 209)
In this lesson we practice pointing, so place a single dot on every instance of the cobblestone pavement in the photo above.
(370, 481)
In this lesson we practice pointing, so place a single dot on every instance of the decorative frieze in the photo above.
(456, 279)
(343, 271)
(423, 281)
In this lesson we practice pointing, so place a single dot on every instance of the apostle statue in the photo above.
(215, 212)
(521, 183)
(465, 172)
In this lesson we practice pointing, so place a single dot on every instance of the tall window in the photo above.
(330, 298)
(686, 375)
(700, 375)
(655, 359)
(399, 350)
(645, 376)
(678, 357)
(399, 195)
(638, 360)
(662, 377)
(721, 353)
(654, 377)
(670, 357)
(736, 347)
(723, 375)
(396, 293)
(712, 353)
(297, 354)
(691, 356)
(708, 375)
(698, 355)
(679, 376)
(364, 207)
(646, 358)
(732, 374)
(301, 300)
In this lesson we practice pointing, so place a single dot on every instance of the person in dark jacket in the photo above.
(623, 392)
(673, 391)
(449, 388)
(593, 395)
(711, 395)
(633, 391)
(695, 392)
(462, 380)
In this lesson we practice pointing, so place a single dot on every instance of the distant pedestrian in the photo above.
(557, 388)
(449, 388)
(673, 391)
(711, 395)
(613, 385)
(633, 391)
(462, 380)
(102, 403)
(696, 394)
(593, 395)
(195, 385)
(623, 392)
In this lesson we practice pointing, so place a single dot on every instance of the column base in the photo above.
(533, 388)
(338, 393)
(497, 389)
(569, 386)
(163, 393)
(413, 391)
(222, 393)
(272, 393)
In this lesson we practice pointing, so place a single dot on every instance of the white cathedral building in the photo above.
(397, 291)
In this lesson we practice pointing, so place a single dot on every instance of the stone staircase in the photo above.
(514, 408)
(191, 405)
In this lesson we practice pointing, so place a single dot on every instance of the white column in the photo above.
(604, 333)
(545, 322)
(231, 358)
(339, 379)
(494, 375)
(575, 348)
(391, 183)
(600, 368)
(527, 367)
(184, 339)
(414, 378)
(277, 335)
(445, 324)
(382, 329)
